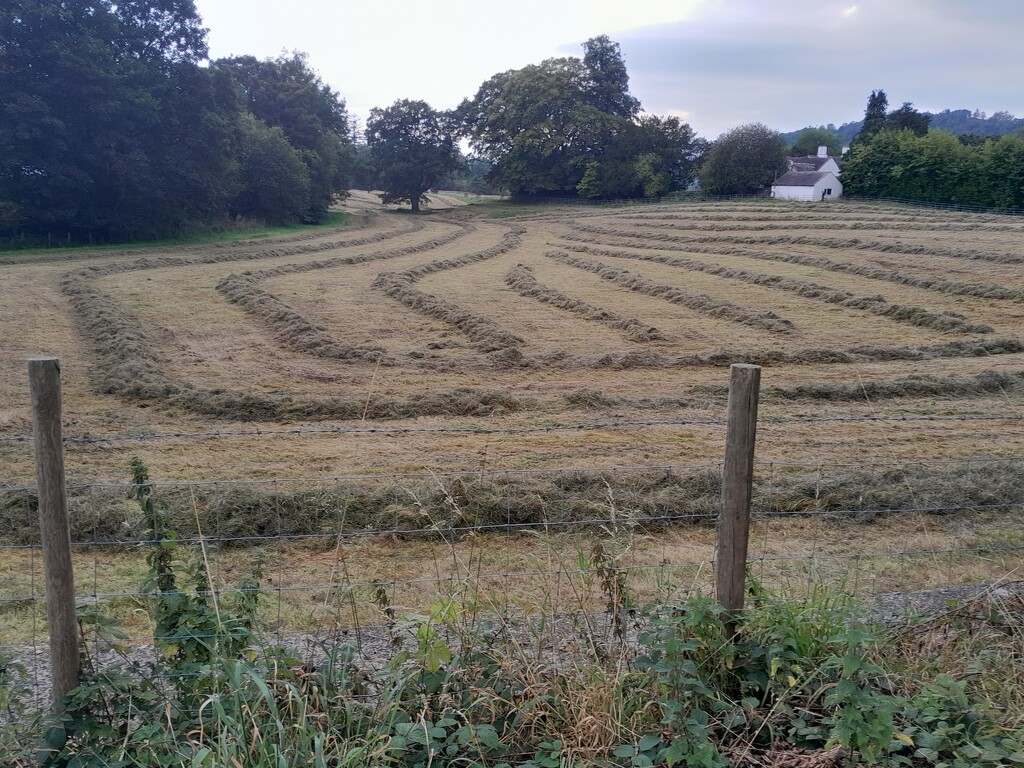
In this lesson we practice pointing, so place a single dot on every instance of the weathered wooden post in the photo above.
(44, 386)
(737, 483)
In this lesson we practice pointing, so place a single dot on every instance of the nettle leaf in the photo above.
(488, 736)
(734, 719)
(437, 654)
(851, 663)
(648, 742)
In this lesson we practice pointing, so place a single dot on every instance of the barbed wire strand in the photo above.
(582, 426)
(437, 530)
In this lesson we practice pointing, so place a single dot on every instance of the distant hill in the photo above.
(958, 121)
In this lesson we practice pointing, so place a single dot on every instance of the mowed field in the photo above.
(499, 317)
(485, 316)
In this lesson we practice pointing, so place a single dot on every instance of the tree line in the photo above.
(898, 154)
(567, 127)
(957, 121)
(113, 125)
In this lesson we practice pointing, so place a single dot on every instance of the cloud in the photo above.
(790, 63)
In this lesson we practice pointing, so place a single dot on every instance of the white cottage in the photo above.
(815, 177)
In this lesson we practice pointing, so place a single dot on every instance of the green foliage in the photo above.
(945, 729)
(908, 118)
(937, 167)
(82, 118)
(607, 83)
(460, 689)
(862, 713)
(807, 141)
(412, 147)
(15, 694)
(568, 127)
(647, 158)
(689, 661)
(535, 125)
(961, 122)
(287, 93)
(110, 128)
(874, 115)
(472, 177)
(274, 181)
(194, 628)
(743, 161)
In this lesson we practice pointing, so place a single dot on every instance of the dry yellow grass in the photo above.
(201, 339)
(566, 369)
(308, 587)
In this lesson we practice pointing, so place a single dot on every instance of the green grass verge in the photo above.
(246, 230)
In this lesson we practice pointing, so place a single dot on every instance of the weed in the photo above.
(798, 678)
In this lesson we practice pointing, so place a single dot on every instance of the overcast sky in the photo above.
(714, 63)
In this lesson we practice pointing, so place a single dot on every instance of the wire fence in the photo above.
(518, 430)
(322, 560)
(339, 557)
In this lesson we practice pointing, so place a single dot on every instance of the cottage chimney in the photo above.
(823, 151)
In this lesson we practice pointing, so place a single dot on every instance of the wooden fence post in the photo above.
(44, 386)
(737, 481)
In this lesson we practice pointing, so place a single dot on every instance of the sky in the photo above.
(714, 63)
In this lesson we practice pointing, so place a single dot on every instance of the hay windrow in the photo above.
(132, 354)
(876, 305)
(851, 243)
(522, 280)
(653, 500)
(812, 221)
(481, 330)
(937, 284)
(719, 308)
(133, 369)
(151, 251)
(776, 357)
(240, 250)
(771, 209)
(705, 396)
(463, 229)
(171, 262)
(962, 387)
(290, 327)
(940, 285)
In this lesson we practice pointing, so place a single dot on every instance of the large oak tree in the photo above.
(568, 127)
(413, 147)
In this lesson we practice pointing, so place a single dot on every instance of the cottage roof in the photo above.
(801, 178)
(808, 162)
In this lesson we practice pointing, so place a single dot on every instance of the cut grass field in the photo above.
(456, 317)
(501, 317)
